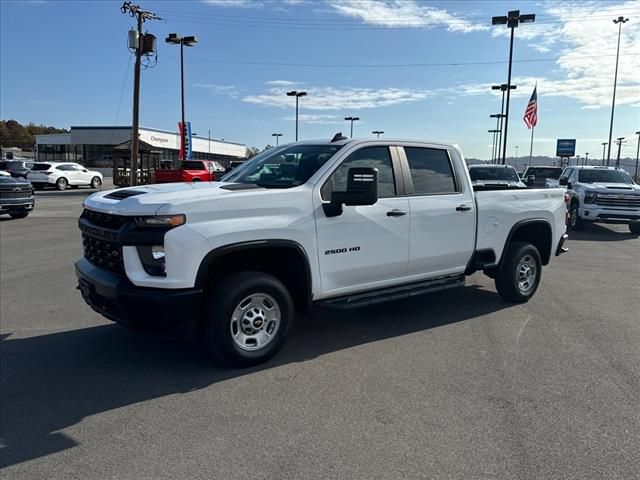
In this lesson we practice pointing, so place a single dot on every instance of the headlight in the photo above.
(152, 259)
(169, 221)
(589, 197)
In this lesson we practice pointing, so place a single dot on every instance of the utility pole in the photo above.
(141, 15)
(511, 20)
(352, 119)
(494, 145)
(619, 141)
(604, 146)
(277, 135)
(503, 87)
(295, 93)
(378, 132)
(619, 21)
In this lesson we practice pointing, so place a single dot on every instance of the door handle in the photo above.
(463, 208)
(396, 213)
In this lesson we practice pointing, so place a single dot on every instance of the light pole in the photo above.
(512, 20)
(277, 135)
(619, 21)
(619, 141)
(637, 156)
(496, 141)
(189, 41)
(515, 164)
(604, 146)
(352, 119)
(295, 93)
(378, 132)
(503, 87)
(586, 158)
(494, 144)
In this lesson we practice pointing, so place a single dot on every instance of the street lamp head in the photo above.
(295, 93)
(302, 94)
(620, 20)
(276, 134)
(528, 18)
(189, 41)
(173, 38)
(499, 20)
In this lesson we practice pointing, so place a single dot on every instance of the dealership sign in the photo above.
(187, 142)
(566, 147)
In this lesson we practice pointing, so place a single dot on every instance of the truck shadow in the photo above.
(51, 382)
(600, 233)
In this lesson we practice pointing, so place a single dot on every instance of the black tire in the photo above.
(218, 320)
(19, 215)
(634, 228)
(196, 180)
(513, 281)
(96, 183)
(62, 183)
(575, 222)
(73, 187)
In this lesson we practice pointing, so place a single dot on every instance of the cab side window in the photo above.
(371, 157)
(431, 171)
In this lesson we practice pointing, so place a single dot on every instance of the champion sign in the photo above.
(186, 133)
(159, 139)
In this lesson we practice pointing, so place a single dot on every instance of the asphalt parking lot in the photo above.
(453, 385)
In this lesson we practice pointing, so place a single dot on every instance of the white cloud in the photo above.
(331, 98)
(235, 3)
(228, 90)
(402, 14)
(322, 119)
(282, 83)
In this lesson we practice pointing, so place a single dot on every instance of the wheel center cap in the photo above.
(258, 322)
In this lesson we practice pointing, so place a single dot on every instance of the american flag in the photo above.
(531, 112)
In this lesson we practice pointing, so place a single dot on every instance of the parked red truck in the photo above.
(190, 171)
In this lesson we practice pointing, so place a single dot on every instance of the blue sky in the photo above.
(388, 62)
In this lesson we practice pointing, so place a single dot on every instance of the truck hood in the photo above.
(603, 187)
(168, 197)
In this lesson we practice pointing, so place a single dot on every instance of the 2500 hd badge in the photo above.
(341, 250)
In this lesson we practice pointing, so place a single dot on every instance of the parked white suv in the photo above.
(602, 195)
(62, 175)
(342, 223)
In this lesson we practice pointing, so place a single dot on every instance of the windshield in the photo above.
(539, 172)
(604, 176)
(283, 167)
(498, 173)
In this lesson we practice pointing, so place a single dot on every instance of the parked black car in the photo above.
(16, 197)
(17, 168)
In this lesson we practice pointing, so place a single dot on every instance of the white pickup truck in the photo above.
(340, 223)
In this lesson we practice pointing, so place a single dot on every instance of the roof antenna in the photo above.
(337, 137)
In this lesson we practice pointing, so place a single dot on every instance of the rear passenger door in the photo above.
(442, 207)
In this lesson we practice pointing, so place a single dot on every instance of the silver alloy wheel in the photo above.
(526, 274)
(96, 183)
(573, 216)
(255, 322)
(62, 183)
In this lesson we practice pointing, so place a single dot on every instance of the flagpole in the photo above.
(531, 147)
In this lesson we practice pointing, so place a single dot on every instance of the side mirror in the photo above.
(85, 170)
(563, 181)
(569, 185)
(362, 189)
(530, 180)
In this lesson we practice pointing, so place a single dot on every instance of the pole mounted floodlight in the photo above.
(618, 21)
(352, 119)
(297, 94)
(377, 132)
(277, 135)
(512, 20)
(188, 41)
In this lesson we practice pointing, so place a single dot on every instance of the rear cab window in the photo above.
(431, 171)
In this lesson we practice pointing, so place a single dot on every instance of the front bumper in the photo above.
(17, 204)
(117, 299)
(609, 215)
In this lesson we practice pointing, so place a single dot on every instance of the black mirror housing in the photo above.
(563, 181)
(531, 180)
(362, 189)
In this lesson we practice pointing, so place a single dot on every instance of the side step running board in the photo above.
(393, 293)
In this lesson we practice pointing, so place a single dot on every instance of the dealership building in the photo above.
(94, 146)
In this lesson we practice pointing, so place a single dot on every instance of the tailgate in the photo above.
(166, 176)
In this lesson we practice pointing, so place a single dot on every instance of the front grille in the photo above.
(623, 201)
(19, 194)
(104, 254)
(105, 220)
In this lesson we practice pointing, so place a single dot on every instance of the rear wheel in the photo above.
(634, 228)
(62, 183)
(575, 222)
(247, 318)
(96, 183)
(520, 274)
(19, 214)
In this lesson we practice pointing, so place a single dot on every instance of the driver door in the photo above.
(366, 246)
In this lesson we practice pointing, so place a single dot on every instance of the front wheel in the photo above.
(96, 183)
(634, 228)
(520, 274)
(575, 222)
(247, 318)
